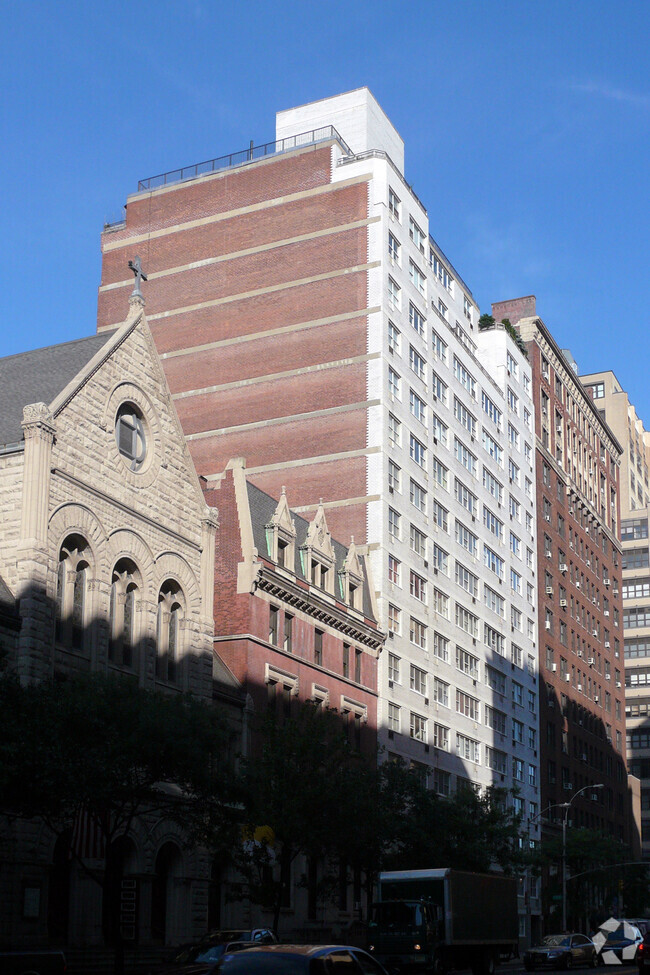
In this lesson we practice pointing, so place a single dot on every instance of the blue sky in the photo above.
(527, 131)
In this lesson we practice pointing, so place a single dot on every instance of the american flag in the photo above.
(88, 836)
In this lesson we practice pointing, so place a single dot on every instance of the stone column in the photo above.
(36, 639)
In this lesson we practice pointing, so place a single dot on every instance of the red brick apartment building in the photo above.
(582, 712)
(295, 612)
(257, 298)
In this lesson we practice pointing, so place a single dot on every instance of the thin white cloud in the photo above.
(602, 90)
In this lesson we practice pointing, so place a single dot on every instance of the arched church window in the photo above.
(71, 592)
(124, 612)
(171, 609)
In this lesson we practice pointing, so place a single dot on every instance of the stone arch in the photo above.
(125, 543)
(171, 565)
(72, 517)
(169, 897)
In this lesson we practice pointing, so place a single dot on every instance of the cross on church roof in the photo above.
(136, 267)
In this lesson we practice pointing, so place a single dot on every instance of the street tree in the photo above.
(106, 749)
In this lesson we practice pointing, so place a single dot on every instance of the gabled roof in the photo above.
(262, 508)
(38, 376)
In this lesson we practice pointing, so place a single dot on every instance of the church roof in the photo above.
(38, 376)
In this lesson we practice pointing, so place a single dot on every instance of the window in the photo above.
(515, 581)
(466, 498)
(465, 418)
(357, 665)
(417, 277)
(418, 541)
(441, 737)
(318, 648)
(168, 631)
(416, 363)
(440, 692)
(467, 705)
(515, 508)
(466, 538)
(464, 377)
(417, 407)
(466, 579)
(515, 545)
(416, 319)
(495, 680)
(492, 523)
(440, 559)
(493, 561)
(394, 335)
(493, 601)
(418, 496)
(394, 293)
(394, 476)
(495, 719)
(440, 389)
(274, 616)
(394, 430)
(288, 632)
(393, 383)
(440, 473)
(494, 640)
(71, 600)
(442, 308)
(393, 204)
(440, 515)
(393, 248)
(468, 749)
(394, 570)
(418, 729)
(493, 448)
(512, 366)
(496, 760)
(517, 732)
(124, 612)
(394, 717)
(418, 680)
(418, 633)
(440, 431)
(513, 436)
(393, 668)
(394, 619)
(130, 436)
(597, 390)
(441, 603)
(494, 487)
(394, 523)
(513, 400)
(416, 234)
(439, 346)
(513, 471)
(492, 411)
(466, 621)
(418, 586)
(467, 663)
(467, 308)
(417, 451)
(440, 271)
(465, 456)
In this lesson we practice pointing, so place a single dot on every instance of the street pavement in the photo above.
(516, 967)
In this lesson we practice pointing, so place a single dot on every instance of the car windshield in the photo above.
(556, 941)
(397, 914)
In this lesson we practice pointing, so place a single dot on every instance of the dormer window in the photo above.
(319, 574)
(281, 535)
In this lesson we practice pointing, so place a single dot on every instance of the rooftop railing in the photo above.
(325, 133)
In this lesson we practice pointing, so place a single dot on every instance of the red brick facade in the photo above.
(275, 251)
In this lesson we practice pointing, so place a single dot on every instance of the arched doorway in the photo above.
(58, 900)
(214, 896)
(121, 890)
(166, 908)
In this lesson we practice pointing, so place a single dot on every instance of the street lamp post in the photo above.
(566, 806)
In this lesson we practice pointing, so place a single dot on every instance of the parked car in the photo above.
(643, 955)
(561, 951)
(621, 945)
(32, 962)
(201, 958)
(299, 960)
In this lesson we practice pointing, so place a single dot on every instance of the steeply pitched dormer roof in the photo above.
(262, 508)
(38, 376)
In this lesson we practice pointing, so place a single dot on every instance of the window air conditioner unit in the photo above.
(554, 668)
(606, 581)
(608, 676)
(567, 678)
(568, 787)
(563, 566)
(594, 632)
(596, 699)
(584, 756)
(579, 653)
(391, 635)
(607, 644)
(549, 590)
(549, 555)
(618, 683)
(592, 661)
(577, 584)
(563, 603)
(606, 612)
(547, 625)
(609, 739)
(579, 687)
(588, 564)
(390, 683)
